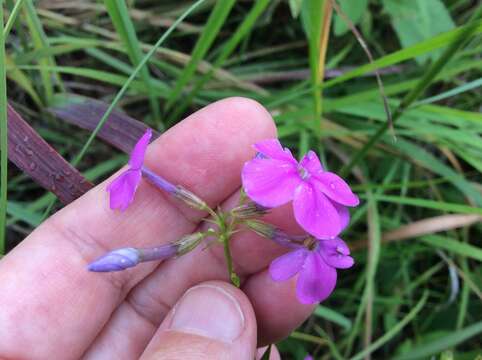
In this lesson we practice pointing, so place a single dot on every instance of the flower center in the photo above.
(304, 174)
(311, 243)
(340, 251)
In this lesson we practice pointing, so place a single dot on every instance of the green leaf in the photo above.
(333, 316)
(354, 10)
(418, 20)
(295, 7)
(23, 213)
(211, 29)
(119, 14)
(454, 246)
(424, 351)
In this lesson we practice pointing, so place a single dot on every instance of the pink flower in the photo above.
(274, 177)
(316, 268)
(123, 188)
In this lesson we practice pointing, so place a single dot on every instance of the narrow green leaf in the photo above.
(394, 330)
(430, 204)
(333, 316)
(3, 137)
(423, 351)
(21, 212)
(455, 246)
(241, 32)
(119, 15)
(211, 29)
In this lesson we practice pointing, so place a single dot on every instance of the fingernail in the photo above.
(209, 311)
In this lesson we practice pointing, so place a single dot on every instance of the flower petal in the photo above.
(287, 265)
(344, 214)
(137, 155)
(316, 281)
(311, 163)
(315, 213)
(270, 182)
(123, 188)
(336, 253)
(272, 148)
(335, 188)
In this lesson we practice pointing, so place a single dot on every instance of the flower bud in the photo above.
(161, 252)
(249, 210)
(116, 260)
(189, 198)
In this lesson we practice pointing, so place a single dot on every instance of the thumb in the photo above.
(213, 320)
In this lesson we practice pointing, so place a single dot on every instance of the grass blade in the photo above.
(457, 247)
(333, 316)
(3, 137)
(241, 32)
(119, 15)
(442, 343)
(12, 18)
(211, 29)
(421, 86)
(40, 42)
(393, 331)
(124, 88)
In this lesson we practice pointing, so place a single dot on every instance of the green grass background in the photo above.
(416, 289)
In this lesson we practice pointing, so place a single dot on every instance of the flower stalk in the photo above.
(273, 177)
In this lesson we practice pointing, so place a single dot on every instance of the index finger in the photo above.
(45, 290)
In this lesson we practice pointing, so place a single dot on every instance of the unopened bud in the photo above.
(249, 210)
(125, 258)
(189, 198)
(116, 260)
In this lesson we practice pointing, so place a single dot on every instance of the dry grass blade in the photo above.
(431, 225)
(120, 130)
(41, 162)
(425, 227)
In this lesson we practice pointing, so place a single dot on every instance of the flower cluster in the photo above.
(320, 199)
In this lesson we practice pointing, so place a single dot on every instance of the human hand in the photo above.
(52, 307)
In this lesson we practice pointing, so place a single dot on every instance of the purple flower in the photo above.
(316, 268)
(123, 188)
(116, 260)
(274, 177)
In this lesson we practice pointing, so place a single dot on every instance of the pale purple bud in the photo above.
(158, 181)
(116, 260)
(162, 252)
(249, 210)
(278, 236)
(125, 258)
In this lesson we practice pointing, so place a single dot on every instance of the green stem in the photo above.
(229, 259)
(12, 18)
(4, 138)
